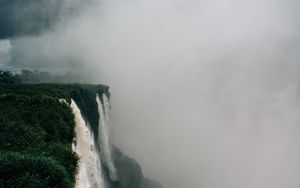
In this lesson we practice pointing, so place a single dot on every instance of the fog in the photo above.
(204, 93)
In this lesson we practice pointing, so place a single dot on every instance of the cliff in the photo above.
(37, 132)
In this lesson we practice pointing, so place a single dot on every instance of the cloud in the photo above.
(4, 51)
(34, 17)
(29, 17)
(205, 93)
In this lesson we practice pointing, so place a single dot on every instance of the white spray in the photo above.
(89, 175)
(104, 127)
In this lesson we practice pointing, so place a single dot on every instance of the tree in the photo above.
(7, 77)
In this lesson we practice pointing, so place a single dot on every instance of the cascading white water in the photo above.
(103, 129)
(89, 174)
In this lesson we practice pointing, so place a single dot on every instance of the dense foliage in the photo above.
(35, 147)
(37, 77)
(84, 95)
(7, 77)
(37, 130)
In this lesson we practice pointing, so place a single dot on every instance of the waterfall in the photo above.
(89, 174)
(103, 129)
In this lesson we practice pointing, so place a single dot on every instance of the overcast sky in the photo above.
(204, 93)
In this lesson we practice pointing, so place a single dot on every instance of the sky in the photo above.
(205, 93)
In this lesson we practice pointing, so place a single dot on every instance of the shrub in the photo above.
(28, 170)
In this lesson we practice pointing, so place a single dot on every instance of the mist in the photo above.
(204, 93)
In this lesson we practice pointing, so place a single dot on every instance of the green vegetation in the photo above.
(37, 77)
(37, 131)
(35, 148)
(7, 77)
(29, 170)
(83, 94)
